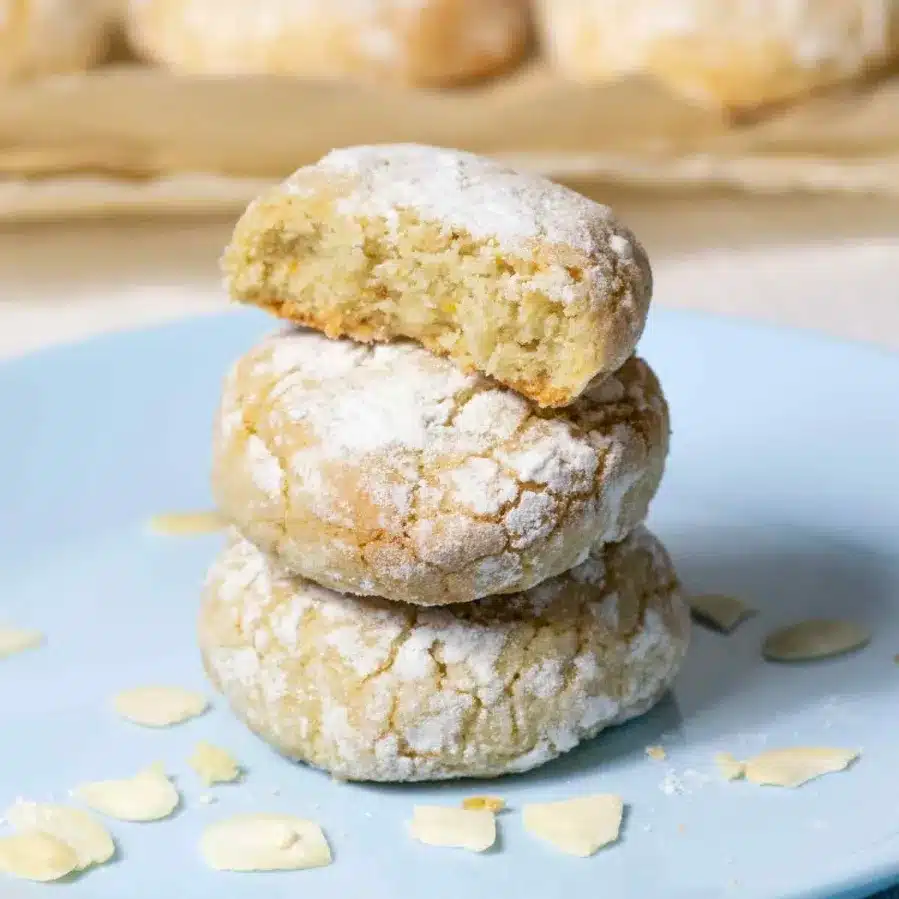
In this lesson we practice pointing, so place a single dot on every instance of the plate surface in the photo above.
(782, 489)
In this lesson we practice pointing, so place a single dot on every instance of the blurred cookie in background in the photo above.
(40, 37)
(735, 54)
(416, 42)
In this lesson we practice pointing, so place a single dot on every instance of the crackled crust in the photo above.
(405, 41)
(373, 690)
(386, 471)
(506, 273)
(39, 37)
(738, 54)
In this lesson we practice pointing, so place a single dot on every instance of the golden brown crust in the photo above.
(373, 690)
(433, 42)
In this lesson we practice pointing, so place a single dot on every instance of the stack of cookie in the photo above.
(438, 481)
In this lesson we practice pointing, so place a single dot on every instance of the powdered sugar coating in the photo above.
(44, 36)
(385, 470)
(373, 690)
(488, 201)
(385, 38)
(708, 44)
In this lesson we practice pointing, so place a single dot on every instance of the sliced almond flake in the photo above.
(148, 796)
(260, 842)
(817, 638)
(37, 856)
(187, 524)
(579, 826)
(453, 828)
(730, 767)
(657, 753)
(91, 841)
(214, 765)
(14, 640)
(794, 767)
(484, 804)
(159, 706)
(720, 611)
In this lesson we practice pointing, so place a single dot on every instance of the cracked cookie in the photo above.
(40, 37)
(506, 273)
(405, 41)
(737, 54)
(384, 470)
(373, 690)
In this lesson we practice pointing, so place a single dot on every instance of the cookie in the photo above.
(41, 37)
(503, 272)
(406, 41)
(384, 470)
(373, 690)
(736, 54)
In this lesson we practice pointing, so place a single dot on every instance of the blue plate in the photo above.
(782, 489)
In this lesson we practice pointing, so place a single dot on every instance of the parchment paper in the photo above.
(132, 139)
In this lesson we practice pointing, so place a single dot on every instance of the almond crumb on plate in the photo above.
(657, 753)
(729, 767)
(37, 856)
(148, 796)
(484, 803)
(214, 765)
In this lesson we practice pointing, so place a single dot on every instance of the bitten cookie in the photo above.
(407, 41)
(737, 54)
(40, 37)
(505, 273)
(386, 471)
(373, 690)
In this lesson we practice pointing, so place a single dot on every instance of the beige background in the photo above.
(830, 263)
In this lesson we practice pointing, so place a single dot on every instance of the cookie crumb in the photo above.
(484, 803)
(187, 524)
(262, 842)
(814, 639)
(453, 828)
(720, 611)
(794, 767)
(657, 753)
(159, 706)
(579, 827)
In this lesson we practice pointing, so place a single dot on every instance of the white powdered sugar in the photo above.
(484, 198)
(419, 473)
(389, 692)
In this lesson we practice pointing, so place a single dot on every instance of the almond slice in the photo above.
(15, 640)
(187, 524)
(729, 767)
(214, 765)
(159, 706)
(259, 842)
(148, 796)
(37, 856)
(794, 767)
(719, 610)
(656, 753)
(578, 827)
(453, 828)
(814, 639)
(91, 841)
